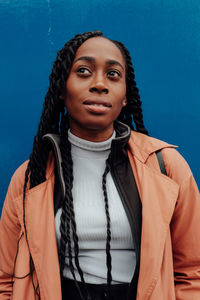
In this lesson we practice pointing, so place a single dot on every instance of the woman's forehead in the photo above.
(100, 48)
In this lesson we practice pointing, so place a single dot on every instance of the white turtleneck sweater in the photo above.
(89, 161)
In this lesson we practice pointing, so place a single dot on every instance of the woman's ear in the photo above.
(124, 102)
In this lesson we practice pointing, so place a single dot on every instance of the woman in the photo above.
(95, 218)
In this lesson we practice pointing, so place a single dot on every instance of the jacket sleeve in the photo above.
(9, 234)
(185, 231)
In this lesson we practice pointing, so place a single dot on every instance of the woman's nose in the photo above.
(99, 85)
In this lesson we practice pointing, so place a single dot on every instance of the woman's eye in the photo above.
(84, 71)
(114, 74)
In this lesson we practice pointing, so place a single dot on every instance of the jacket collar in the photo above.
(118, 149)
(118, 145)
(140, 145)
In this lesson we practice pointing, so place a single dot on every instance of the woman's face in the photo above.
(95, 89)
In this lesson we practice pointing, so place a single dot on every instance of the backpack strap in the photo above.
(161, 162)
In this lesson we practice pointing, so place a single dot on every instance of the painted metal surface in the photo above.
(164, 42)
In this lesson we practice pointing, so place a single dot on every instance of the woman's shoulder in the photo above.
(17, 181)
(176, 166)
(16, 185)
(15, 189)
(147, 143)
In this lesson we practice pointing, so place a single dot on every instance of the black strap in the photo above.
(161, 162)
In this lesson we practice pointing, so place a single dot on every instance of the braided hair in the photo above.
(54, 120)
(133, 110)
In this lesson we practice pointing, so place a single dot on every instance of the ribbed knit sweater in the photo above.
(89, 161)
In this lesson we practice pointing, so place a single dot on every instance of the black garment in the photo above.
(96, 291)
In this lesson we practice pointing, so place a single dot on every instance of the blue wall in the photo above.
(164, 41)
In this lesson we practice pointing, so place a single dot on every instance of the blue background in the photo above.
(164, 42)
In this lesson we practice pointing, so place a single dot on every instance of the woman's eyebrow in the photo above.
(92, 60)
(112, 62)
(88, 58)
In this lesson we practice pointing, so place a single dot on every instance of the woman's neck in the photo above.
(92, 134)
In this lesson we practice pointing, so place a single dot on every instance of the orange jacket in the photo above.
(170, 241)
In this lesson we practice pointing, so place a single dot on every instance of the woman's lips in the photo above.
(97, 107)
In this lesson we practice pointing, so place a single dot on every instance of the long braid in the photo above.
(48, 123)
(133, 107)
(68, 215)
(24, 221)
(67, 168)
(108, 239)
